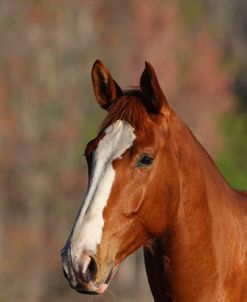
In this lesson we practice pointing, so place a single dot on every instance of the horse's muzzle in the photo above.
(80, 274)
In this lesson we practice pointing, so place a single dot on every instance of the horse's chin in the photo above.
(95, 291)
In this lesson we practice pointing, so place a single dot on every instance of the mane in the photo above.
(129, 107)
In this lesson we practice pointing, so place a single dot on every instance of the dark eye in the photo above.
(145, 160)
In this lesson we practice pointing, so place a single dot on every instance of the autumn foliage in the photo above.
(47, 113)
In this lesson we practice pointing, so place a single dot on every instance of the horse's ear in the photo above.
(106, 90)
(149, 84)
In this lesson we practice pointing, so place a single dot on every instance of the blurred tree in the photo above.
(228, 19)
(232, 161)
(188, 65)
(47, 114)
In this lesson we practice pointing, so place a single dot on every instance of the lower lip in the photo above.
(102, 288)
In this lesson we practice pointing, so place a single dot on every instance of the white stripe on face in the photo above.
(87, 231)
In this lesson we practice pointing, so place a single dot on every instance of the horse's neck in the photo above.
(201, 184)
(205, 196)
(207, 232)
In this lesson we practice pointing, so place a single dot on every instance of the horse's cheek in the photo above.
(133, 204)
(154, 215)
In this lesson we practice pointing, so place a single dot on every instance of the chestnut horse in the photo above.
(152, 184)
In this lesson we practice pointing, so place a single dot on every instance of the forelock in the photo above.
(129, 107)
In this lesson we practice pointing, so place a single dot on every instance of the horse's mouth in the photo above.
(93, 290)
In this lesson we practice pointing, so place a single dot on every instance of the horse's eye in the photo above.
(145, 160)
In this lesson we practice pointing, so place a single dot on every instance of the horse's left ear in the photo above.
(149, 84)
(106, 90)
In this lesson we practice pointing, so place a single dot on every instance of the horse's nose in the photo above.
(79, 272)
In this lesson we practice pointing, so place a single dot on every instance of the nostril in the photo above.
(93, 267)
(88, 267)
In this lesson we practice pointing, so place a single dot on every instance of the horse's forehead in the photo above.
(121, 135)
(116, 138)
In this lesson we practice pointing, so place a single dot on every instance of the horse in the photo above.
(153, 185)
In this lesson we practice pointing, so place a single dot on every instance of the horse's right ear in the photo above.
(106, 90)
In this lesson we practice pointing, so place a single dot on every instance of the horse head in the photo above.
(131, 170)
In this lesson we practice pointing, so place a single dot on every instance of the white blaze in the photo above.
(88, 227)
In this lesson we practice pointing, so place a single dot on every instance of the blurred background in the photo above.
(48, 113)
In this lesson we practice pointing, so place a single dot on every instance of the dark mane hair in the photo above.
(129, 107)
